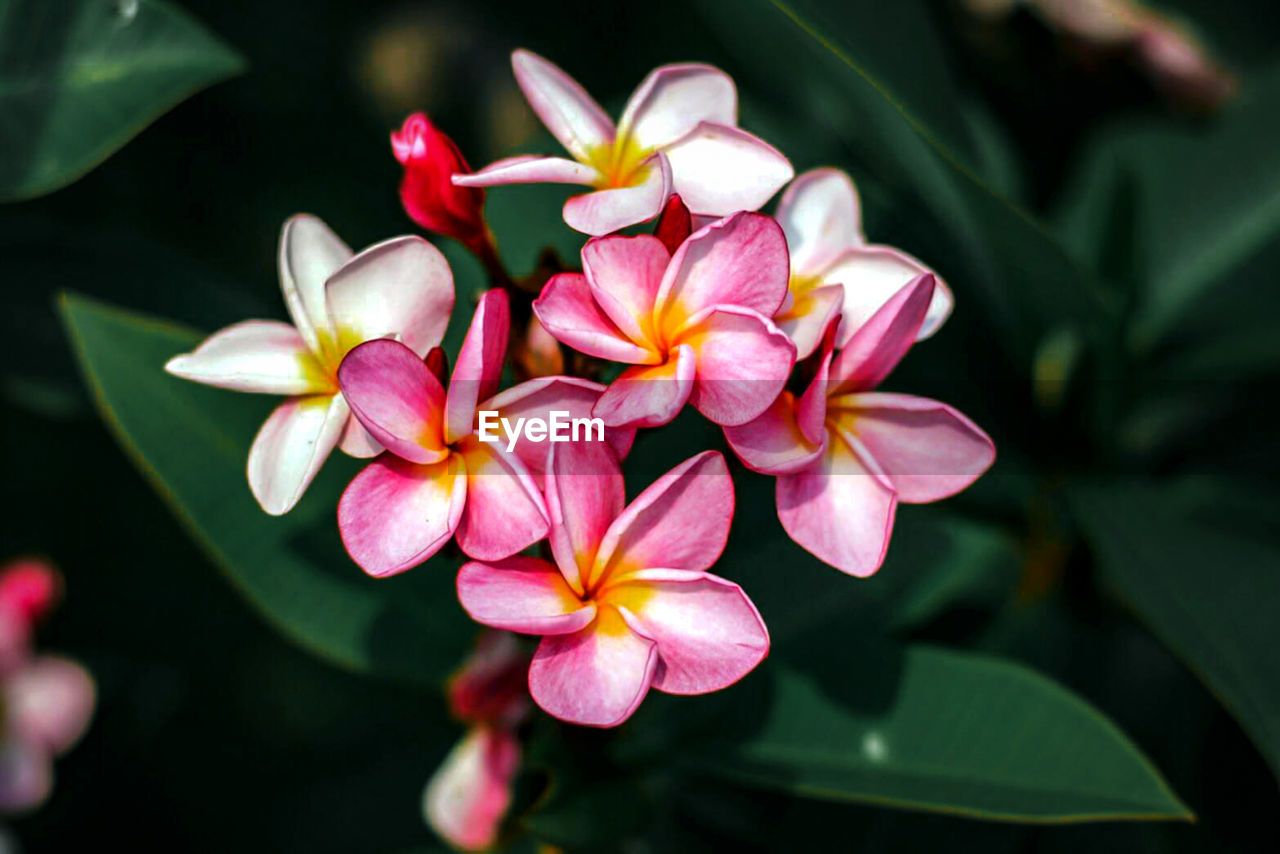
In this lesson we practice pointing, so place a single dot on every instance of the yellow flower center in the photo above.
(620, 164)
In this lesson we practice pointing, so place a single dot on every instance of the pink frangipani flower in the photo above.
(695, 325)
(628, 604)
(437, 478)
(678, 133)
(845, 455)
(401, 288)
(822, 218)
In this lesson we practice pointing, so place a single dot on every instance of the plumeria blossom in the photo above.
(822, 217)
(845, 455)
(436, 478)
(678, 133)
(628, 604)
(694, 325)
(470, 793)
(401, 288)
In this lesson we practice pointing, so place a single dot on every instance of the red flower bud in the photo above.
(674, 223)
(430, 161)
(29, 588)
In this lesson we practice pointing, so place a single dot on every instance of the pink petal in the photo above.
(563, 105)
(822, 217)
(309, 254)
(772, 443)
(264, 356)
(709, 634)
(530, 169)
(505, 511)
(871, 275)
(673, 99)
(538, 398)
(356, 441)
(811, 408)
(585, 493)
(807, 317)
(522, 594)
(624, 274)
(397, 399)
(595, 677)
(401, 287)
(743, 363)
(741, 260)
(838, 510)
(291, 446)
(718, 170)
(926, 449)
(479, 368)
(605, 211)
(470, 792)
(649, 395)
(492, 685)
(49, 703)
(877, 346)
(26, 775)
(680, 522)
(395, 514)
(568, 310)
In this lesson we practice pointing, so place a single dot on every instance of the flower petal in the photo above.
(49, 703)
(772, 443)
(568, 310)
(585, 493)
(291, 446)
(264, 356)
(681, 521)
(530, 169)
(595, 677)
(26, 775)
(807, 317)
(877, 346)
(571, 115)
(470, 792)
(309, 254)
(522, 594)
(401, 287)
(397, 399)
(357, 442)
(673, 99)
(871, 275)
(624, 274)
(822, 217)
(649, 395)
(743, 363)
(926, 449)
(740, 260)
(709, 634)
(718, 170)
(606, 211)
(479, 368)
(505, 511)
(838, 510)
(395, 514)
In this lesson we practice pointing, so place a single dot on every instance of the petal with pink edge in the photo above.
(595, 677)
(605, 211)
(309, 254)
(505, 511)
(530, 169)
(401, 287)
(649, 395)
(681, 521)
(479, 367)
(49, 702)
(571, 115)
(871, 275)
(522, 594)
(708, 632)
(673, 99)
(838, 510)
(469, 793)
(624, 274)
(772, 443)
(291, 446)
(264, 356)
(568, 310)
(395, 514)
(397, 398)
(876, 347)
(585, 493)
(743, 363)
(356, 441)
(718, 170)
(807, 317)
(926, 449)
(741, 260)
(822, 217)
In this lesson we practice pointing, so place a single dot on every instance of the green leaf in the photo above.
(1207, 584)
(192, 441)
(944, 731)
(80, 78)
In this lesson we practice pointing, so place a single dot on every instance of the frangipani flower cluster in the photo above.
(778, 329)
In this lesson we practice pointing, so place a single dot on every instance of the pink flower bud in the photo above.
(427, 192)
(28, 589)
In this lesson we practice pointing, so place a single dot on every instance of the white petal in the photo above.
(309, 253)
(292, 446)
(673, 99)
(571, 115)
(530, 169)
(719, 170)
(264, 356)
(606, 211)
(822, 217)
(871, 275)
